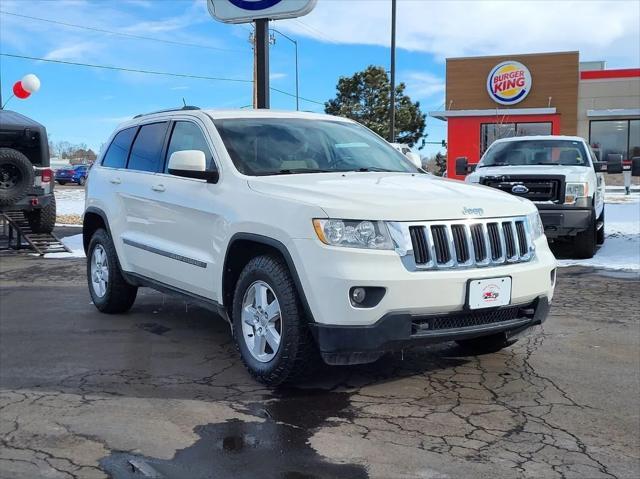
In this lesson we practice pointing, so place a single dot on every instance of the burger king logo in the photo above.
(509, 83)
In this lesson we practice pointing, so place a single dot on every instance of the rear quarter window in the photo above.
(116, 155)
(146, 154)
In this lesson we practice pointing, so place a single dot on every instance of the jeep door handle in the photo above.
(159, 188)
(115, 181)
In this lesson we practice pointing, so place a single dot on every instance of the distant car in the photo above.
(74, 174)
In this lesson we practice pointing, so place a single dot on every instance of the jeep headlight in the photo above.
(574, 191)
(535, 224)
(353, 233)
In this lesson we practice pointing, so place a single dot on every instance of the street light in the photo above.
(295, 43)
(392, 111)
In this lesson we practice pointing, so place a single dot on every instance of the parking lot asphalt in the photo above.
(161, 392)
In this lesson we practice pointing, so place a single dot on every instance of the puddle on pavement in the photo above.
(274, 448)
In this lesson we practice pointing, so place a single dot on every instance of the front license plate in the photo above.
(489, 293)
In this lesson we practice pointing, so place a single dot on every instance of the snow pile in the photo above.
(74, 243)
(69, 201)
(621, 249)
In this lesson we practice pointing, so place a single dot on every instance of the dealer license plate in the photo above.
(489, 293)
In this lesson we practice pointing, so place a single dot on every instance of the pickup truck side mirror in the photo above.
(635, 166)
(462, 165)
(191, 164)
(599, 167)
(614, 163)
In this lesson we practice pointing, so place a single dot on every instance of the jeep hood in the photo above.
(390, 196)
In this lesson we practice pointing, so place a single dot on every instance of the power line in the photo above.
(124, 69)
(123, 34)
(150, 72)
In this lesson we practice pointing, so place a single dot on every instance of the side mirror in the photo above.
(191, 164)
(635, 166)
(614, 163)
(414, 158)
(599, 167)
(462, 165)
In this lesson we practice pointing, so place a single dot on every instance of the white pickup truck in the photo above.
(560, 174)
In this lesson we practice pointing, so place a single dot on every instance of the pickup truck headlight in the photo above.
(353, 233)
(535, 223)
(574, 191)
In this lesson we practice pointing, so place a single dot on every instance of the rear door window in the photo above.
(116, 155)
(146, 153)
(188, 136)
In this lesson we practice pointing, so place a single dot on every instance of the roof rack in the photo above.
(186, 107)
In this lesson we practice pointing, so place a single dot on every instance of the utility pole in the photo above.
(261, 53)
(392, 113)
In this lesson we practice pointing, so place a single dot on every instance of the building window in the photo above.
(490, 132)
(615, 137)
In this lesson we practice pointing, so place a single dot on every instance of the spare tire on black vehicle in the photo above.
(16, 176)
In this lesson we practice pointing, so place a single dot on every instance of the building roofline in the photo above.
(513, 55)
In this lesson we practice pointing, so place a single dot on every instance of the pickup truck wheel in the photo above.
(16, 176)
(584, 243)
(44, 219)
(269, 326)
(486, 344)
(109, 290)
(600, 236)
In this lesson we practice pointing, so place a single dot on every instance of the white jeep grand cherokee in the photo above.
(312, 236)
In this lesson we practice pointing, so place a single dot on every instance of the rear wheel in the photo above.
(82, 181)
(109, 290)
(269, 326)
(44, 219)
(486, 344)
(584, 243)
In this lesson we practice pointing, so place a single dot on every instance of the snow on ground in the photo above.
(621, 249)
(74, 243)
(69, 201)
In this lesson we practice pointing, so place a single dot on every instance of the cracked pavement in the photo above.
(86, 395)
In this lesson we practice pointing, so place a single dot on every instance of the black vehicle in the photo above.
(26, 181)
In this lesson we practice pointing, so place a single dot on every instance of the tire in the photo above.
(600, 235)
(118, 295)
(486, 344)
(61, 183)
(584, 243)
(44, 219)
(16, 176)
(296, 353)
(82, 181)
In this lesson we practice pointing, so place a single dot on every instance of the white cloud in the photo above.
(277, 76)
(598, 29)
(77, 51)
(179, 88)
(423, 85)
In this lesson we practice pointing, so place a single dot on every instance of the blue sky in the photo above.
(339, 37)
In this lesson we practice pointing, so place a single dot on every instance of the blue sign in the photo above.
(254, 4)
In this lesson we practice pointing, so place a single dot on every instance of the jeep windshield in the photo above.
(281, 146)
(535, 152)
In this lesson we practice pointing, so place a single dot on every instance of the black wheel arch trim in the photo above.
(282, 249)
(97, 211)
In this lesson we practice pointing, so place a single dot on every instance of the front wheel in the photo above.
(600, 236)
(584, 243)
(269, 326)
(62, 183)
(109, 290)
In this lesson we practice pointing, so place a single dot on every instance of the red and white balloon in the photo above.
(24, 88)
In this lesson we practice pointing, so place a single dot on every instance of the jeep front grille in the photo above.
(464, 243)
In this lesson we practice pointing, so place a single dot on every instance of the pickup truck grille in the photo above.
(468, 244)
(538, 187)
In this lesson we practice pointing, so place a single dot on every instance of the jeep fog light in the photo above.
(358, 295)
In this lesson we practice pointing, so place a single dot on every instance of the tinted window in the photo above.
(611, 137)
(116, 156)
(147, 148)
(273, 146)
(187, 136)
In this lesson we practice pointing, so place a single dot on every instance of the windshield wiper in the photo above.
(293, 171)
(546, 163)
(373, 168)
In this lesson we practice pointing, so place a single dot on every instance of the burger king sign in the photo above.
(509, 83)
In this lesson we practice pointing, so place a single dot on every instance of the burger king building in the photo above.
(488, 98)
